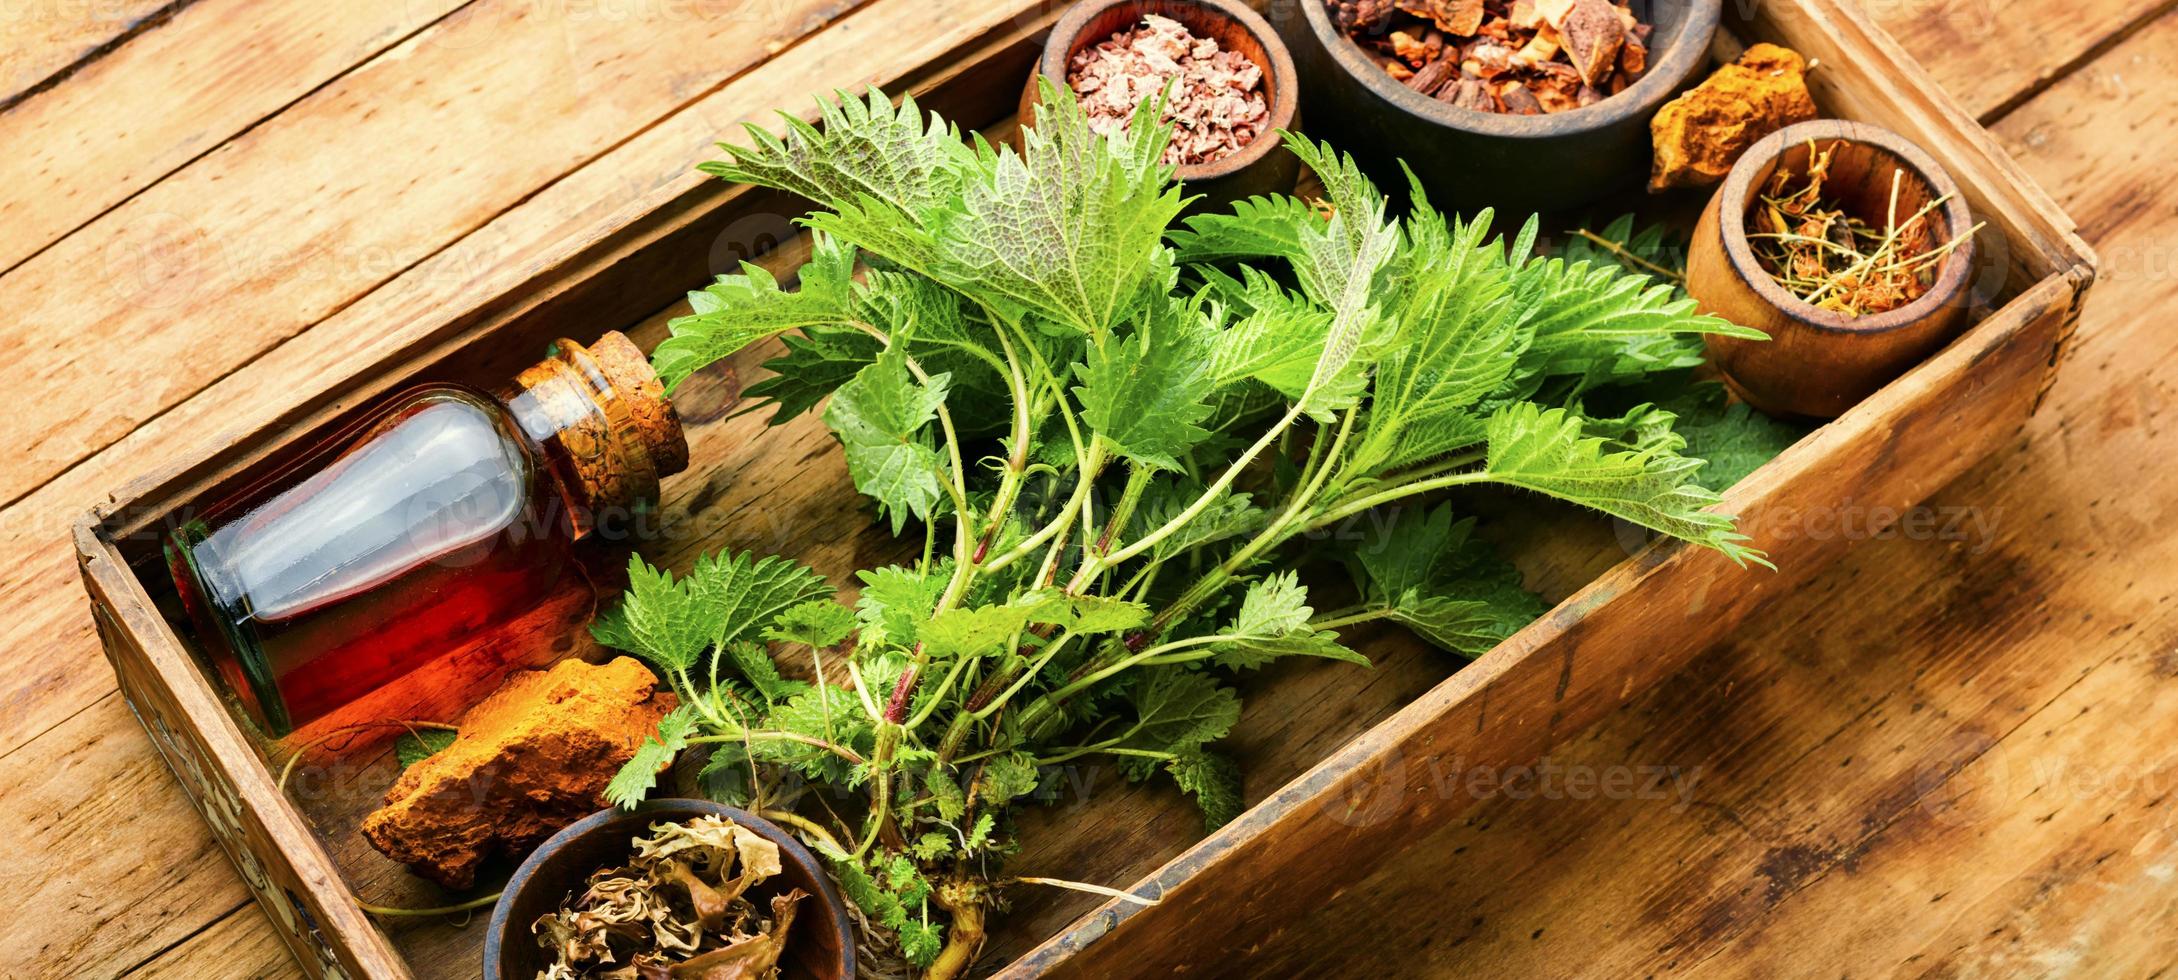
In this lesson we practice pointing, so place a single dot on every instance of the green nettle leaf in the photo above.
(1604, 325)
(986, 630)
(818, 711)
(1454, 347)
(1214, 780)
(659, 620)
(739, 310)
(1277, 338)
(883, 172)
(1273, 622)
(1146, 392)
(817, 361)
(1071, 227)
(1428, 573)
(895, 601)
(880, 418)
(817, 623)
(920, 942)
(1102, 614)
(417, 745)
(1009, 775)
(1266, 226)
(1550, 452)
(1179, 709)
(635, 779)
(1339, 267)
(762, 673)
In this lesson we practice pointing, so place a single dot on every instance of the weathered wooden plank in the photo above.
(125, 120)
(1947, 755)
(43, 39)
(240, 946)
(1991, 56)
(317, 210)
(93, 841)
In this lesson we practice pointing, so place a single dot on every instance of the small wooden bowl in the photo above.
(1818, 363)
(1469, 159)
(820, 946)
(1261, 167)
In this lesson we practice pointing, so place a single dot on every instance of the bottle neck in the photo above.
(602, 419)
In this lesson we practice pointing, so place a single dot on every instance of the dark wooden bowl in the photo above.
(1261, 167)
(1468, 159)
(1818, 363)
(819, 947)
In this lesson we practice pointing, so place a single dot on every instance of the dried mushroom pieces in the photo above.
(679, 909)
(533, 757)
(1216, 108)
(1524, 57)
(1701, 133)
(1836, 260)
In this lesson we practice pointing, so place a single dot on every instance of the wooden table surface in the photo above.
(1950, 755)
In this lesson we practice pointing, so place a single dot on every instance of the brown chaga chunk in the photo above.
(1698, 135)
(532, 758)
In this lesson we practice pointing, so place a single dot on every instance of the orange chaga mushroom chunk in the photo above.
(530, 759)
(1699, 134)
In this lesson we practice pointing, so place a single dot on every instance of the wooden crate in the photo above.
(1343, 764)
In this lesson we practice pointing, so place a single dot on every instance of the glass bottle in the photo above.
(441, 514)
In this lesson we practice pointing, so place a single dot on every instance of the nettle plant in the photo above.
(1123, 431)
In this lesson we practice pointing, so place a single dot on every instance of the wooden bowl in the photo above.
(820, 945)
(1261, 167)
(1468, 159)
(1818, 363)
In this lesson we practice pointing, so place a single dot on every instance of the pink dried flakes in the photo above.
(1217, 108)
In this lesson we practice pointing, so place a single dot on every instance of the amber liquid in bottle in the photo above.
(446, 514)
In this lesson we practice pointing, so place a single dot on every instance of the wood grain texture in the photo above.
(457, 124)
(2081, 158)
(128, 119)
(46, 38)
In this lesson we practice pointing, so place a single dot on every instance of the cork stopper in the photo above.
(607, 410)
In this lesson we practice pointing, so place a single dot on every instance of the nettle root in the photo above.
(963, 901)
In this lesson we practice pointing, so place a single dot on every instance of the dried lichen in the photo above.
(677, 910)
(1699, 134)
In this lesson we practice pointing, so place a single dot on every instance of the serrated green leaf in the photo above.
(1008, 775)
(738, 310)
(635, 779)
(921, 942)
(1455, 345)
(762, 673)
(816, 623)
(1602, 325)
(726, 596)
(1146, 392)
(1214, 781)
(1272, 623)
(895, 601)
(1265, 226)
(1071, 226)
(1179, 709)
(881, 418)
(1550, 452)
(983, 631)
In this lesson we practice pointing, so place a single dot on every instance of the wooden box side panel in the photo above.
(1622, 634)
(271, 847)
